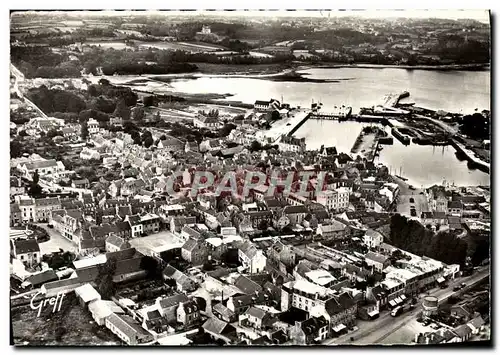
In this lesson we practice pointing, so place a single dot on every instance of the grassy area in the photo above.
(72, 325)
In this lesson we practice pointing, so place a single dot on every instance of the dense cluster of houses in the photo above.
(245, 268)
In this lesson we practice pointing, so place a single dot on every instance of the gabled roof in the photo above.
(173, 300)
(378, 292)
(127, 325)
(87, 293)
(249, 249)
(223, 310)
(215, 326)
(376, 257)
(256, 312)
(190, 306)
(41, 164)
(246, 285)
(295, 209)
(462, 331)
(190, 244)
(134, 220)
(476, 322)
(42, 277)
(26, 246)
(455, 204)
(312, 325)
(117, 242)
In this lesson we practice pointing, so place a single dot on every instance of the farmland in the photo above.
(195, 47)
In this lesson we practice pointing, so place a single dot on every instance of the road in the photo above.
(56, 242)
(374, 332)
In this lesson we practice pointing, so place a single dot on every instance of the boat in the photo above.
(402, 178)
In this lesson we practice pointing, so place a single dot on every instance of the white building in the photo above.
(337, 199)
(373, 239)
(93, 126)
(87, 154)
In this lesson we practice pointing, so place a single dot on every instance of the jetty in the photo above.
(403, 138)
(339, 113)
(392, 100)
(285, 127)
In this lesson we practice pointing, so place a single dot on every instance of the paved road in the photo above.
(374, 332)
(56, 241)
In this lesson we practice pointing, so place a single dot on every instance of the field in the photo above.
(115, 45)
(72, 325)
(197, 47)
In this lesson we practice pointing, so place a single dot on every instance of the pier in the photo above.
(285, 127)
(392, 100)
(342, 113)
(403, 138)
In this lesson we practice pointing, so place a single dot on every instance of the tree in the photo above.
(53, 133)
(105, 284)
(255, 146)
(122, 110)
(84, 130)
(226, 129)
(138, 113)
(263, 225)
(152, 267)
(148, 142)
(104, 82)
(148, 101)
(15, 149)
(35, 189)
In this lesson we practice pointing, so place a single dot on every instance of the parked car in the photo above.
(412, 200)
(397, 311)
(463, 284)
(456, 288)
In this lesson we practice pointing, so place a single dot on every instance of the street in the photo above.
(376, 331)
(56, 242)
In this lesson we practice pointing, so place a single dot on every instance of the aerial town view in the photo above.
(250, 178)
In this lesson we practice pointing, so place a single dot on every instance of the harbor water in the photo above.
(454, 91)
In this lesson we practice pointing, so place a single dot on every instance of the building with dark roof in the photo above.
(220, 330)
(27, 251)
(188, 313)
(309, 331)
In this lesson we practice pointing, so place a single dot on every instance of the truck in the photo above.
(397, 311)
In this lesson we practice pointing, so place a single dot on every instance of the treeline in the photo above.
(411, 236)
(462, 51)
(55, 100)
(143, 68)
(100, 102)
(475, 126)
(42, 62)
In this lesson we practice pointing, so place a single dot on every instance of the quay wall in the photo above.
(478, 163)
(299, 124)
